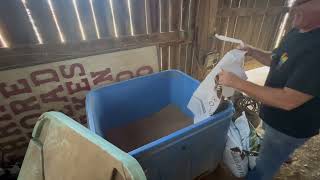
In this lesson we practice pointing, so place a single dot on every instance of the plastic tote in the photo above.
(184, 154)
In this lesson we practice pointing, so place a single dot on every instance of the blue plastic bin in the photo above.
(182, 155)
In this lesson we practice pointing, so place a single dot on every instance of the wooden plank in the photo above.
(229, 12)
(164, 56)
(220, 27)
(257, 22)
(265, 32)
(224, 26)
(232, 25)
(255, 27)
(175, 61)
(192, 14)
(44, 20)
(270, 32)
(185, 14)
(174, 43)
(148, 16)
(275, 31)
(16, 24)
(241, 24)
(217, 45)
(212, 25)
(269, 26)
(138, 16)
(104, 18)
(32, 55)
(195, 71)
(164, 15)
(244, 22)
(154, 15)
(122, 18)
(208, 9)
(246, 36)
(191, 29)
(202, 30)
(195, 47)
(193, 61)
(173, 57)
(159, 57)
(188, 67)
(87, 20)
(250, 3)
(66, 16)
(278, 3)
(4, 34)
(175, 14)
(245, 29)
(272, 41)
(182, 10)
(183, 58)
(222, 30)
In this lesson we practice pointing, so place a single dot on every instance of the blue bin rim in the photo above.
(144, 76)
(227, 113)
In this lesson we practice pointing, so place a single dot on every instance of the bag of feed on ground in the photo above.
(242, 147)
(205, 100)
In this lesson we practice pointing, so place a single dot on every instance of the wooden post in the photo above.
(205, 28)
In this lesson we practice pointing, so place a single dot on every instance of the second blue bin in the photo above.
(182, 155)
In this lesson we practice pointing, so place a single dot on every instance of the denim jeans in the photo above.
(276, 148)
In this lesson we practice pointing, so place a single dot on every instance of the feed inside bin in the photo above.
(143, 131)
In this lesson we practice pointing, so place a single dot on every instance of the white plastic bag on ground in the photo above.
(234, 157)
(242, 147)
(205, 100)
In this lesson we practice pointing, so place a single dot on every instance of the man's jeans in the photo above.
(276, 148)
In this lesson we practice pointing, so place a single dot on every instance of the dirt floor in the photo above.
(305, 165)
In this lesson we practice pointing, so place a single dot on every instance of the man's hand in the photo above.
(247, 48)
(229, 79)
(264, 57)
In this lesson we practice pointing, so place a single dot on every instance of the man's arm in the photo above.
(264, 57)
(285, 98)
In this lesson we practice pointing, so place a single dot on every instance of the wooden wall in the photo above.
(66, 29)
(256, 22)
(182, 29)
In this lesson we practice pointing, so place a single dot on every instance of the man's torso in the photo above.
(303, 121)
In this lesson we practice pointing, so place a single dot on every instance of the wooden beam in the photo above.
(229, 12)
(206, 24)
(41, 54)
(206, 28)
